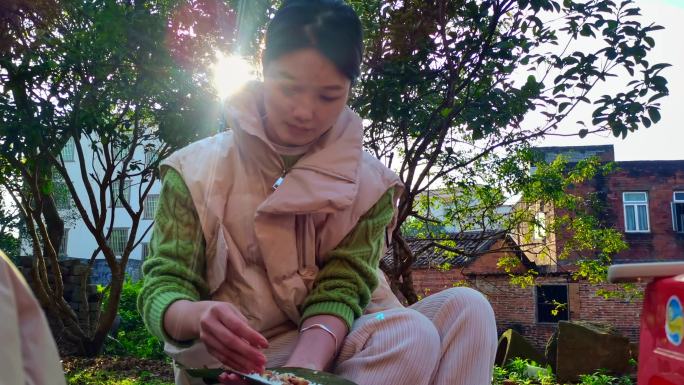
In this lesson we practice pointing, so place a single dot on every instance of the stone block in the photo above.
(74, 279)
(79, 270)
(513, 345)
(584, 347)
(92, 289)
(70, 262)
(26, 262)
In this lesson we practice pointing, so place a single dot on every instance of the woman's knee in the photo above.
(468, 302)
(460, 309)
(421, 329)
(413, 333)
(399, 345)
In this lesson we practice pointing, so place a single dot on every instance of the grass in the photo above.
(92, 377)
(114, 370)
(525, 372)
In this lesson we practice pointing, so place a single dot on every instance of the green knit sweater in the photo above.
(174, 269)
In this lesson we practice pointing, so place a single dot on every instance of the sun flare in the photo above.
(230, 73)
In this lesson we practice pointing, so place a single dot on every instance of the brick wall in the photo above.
(430, 281)
(624, 315)
(488, 263)
(659, 179)
(516, 308)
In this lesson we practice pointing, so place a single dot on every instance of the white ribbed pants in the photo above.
(448, 338)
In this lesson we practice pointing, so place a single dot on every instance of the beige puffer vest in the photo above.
(264, 247)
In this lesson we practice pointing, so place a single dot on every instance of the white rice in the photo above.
(275, 382)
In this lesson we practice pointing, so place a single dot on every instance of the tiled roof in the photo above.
(470, 243)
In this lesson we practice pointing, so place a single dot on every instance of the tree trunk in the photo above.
(53, 223)
(400, 272)
(104, 325)
(407, 288)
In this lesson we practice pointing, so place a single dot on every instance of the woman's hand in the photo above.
(228, 337)
(223, 330)
(232, 379)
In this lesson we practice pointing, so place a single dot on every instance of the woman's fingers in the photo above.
(236, 322)
(230, 339)
(238, 354)
(232, 379)
(232, 358)
(226, 360)
(232, 342)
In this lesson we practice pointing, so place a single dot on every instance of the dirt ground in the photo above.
(126, 366)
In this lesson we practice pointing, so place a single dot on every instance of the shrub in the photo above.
(600, 378)
(131, 337)
(523, 372)
(90, 377)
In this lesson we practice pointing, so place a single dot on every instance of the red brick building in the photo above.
(434, 270)
(522, 308)
(644, 200)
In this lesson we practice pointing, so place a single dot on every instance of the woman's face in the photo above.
(304, 93)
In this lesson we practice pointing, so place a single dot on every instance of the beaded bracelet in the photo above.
(322, 327)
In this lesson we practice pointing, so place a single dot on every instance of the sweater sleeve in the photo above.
(344, 285)
(174, 268)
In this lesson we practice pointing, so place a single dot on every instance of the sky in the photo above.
(664, 140)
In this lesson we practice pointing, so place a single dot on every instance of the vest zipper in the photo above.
(281, 178)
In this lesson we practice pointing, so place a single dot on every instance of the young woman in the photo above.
(267, 237)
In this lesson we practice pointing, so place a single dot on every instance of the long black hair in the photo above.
(332, 27)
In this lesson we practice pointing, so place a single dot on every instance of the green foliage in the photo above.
(576, 215)
(440, 89)
(113, 78)
(452, 91)
(93, 377)
(476, 202)
(132, 337)
(9, 227)
(600, 378)
(523, 372)
(10, 245)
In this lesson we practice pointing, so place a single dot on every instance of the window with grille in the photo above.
(60, 192)
(150, 206)
(678, 211)
(636, 212)
(62, 252)
(144, 251)
(119, 154)
(68, 150)
(126, 192)
(539, 226)
(122, 146)
(552, 303)
(117, 240)
(150, 157)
